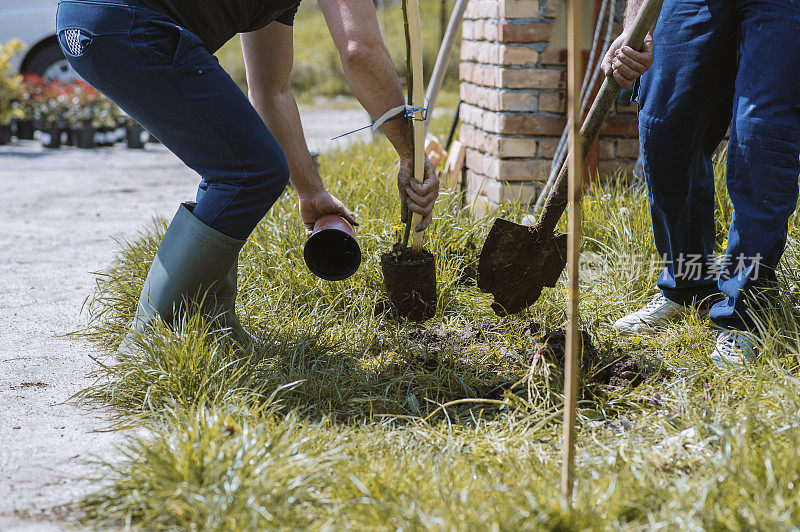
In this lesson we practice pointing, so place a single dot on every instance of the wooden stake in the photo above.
(573, 347)
(416, 98)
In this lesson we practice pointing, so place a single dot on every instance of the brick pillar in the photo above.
(513, 89)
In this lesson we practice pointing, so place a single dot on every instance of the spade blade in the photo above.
(516, 262)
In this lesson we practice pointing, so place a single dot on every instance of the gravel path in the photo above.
(61, 214)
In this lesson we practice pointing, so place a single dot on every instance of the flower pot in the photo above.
(24, 129)
(84, 137)
(104, 137)
(5, 134)
(120, 132)
(136, 136)
(332, 252)
(68, 136)
(51, 137)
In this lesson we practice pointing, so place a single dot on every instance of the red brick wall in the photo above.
(513, 111)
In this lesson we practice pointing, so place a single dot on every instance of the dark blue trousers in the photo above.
(721, 63)
(161, 75)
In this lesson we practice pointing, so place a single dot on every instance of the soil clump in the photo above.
(410, 282)
(623, 372)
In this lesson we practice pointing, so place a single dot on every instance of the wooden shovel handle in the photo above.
(557, 199)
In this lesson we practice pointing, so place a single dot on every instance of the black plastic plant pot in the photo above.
(104, 137)
(51, 138)
(121, 131)
(24, 129)
(135, 136)
(84, 137)
(410, 282)
(332, 252)
(5, 134)
(68, 137)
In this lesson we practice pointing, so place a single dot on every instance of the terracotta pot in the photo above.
(332, 252)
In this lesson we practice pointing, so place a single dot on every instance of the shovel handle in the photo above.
(557, 199)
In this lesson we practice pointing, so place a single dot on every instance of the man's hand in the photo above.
(320, 203)
(417, 197)
(625, 63)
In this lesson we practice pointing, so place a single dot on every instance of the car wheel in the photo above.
(49, 63)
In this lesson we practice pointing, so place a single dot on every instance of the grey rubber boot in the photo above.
(193, 259)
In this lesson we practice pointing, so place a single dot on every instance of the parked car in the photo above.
(33, 22)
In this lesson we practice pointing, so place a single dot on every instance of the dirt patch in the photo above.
(427, 345)
(622, 372)
(440, 339)
(24, 385)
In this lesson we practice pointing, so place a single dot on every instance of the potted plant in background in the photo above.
(106, 115)
(52, 105)
(10, 86)
(31, 96)
(80, 115)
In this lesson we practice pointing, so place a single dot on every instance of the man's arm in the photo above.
(631, 10)
(372, 77)
(268, 57)
(623, 62)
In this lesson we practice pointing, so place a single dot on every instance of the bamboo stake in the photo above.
(416, 98)
(573, 347)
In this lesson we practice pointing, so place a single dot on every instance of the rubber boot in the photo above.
(225, 309)
(193, 260)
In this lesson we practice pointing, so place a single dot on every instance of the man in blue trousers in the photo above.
(155, 59)
(708, 65)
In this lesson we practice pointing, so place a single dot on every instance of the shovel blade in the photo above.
(516, 263)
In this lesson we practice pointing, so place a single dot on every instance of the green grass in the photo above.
(343, 418)
(317, 68)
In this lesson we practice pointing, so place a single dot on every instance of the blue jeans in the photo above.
(721, 63)
(160, 74)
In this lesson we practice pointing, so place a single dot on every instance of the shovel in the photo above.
(517, 262)
(409, 274)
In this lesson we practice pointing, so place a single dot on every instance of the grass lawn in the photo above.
(343, 418)
(317, 68)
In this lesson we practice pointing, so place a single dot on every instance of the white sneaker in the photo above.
(658, 313)
(734, 348)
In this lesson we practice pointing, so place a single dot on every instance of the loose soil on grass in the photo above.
(625, 371)
(439, 338)
(428, 346)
